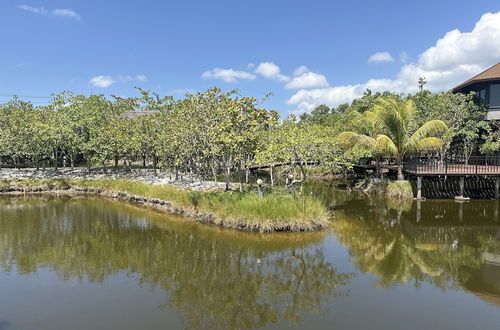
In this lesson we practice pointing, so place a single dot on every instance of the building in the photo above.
(487, 87)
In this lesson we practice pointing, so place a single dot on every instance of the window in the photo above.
(495, 96)
(482, 94)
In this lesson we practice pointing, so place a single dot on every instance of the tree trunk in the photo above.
(214, 173)
(378, 170)
(272, 176)
(240, 180)
(154, 163)
(55, 160)
(116, 161)
(228, 177)
(400, 171)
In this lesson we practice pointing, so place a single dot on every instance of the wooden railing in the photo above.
(453, 165)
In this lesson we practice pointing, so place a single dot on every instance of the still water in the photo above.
(88, 263)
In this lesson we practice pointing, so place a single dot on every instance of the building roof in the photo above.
(492, 73)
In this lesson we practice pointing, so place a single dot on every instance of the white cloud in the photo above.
(271, 71)
(68, 13)
(102, 81)
(36, 10)
(300, 70)
(105, 81)
(139, 77)
(307, 80)
(381, 57)
(404, 57)
(454, 58)
(227, 75)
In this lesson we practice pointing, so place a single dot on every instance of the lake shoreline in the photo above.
(187, 204)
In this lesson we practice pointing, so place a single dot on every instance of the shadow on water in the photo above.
(214, 278)
(448, 244)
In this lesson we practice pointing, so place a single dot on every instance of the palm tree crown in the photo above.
(389, 128)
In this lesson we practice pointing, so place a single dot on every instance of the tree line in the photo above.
(216, 133)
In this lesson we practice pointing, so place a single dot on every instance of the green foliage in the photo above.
(464, 118)
(216, 133)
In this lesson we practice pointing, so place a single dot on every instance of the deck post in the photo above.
(462, 186)
(419, 187)
(497, 188)
(419, 212)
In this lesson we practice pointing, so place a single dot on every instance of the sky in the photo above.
(305, 53)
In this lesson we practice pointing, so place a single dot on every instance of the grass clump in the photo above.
(400, 189)
(169, 193)
(276, 211)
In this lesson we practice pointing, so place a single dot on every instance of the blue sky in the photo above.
(252, 45)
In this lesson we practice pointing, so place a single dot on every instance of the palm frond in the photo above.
(430, 128)
(389, 112)
(351, 139)
(386, 146)
(425, 144)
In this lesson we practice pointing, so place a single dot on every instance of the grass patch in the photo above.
(276, 211)
(400, 189)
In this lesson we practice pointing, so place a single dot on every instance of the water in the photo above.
(88, 263)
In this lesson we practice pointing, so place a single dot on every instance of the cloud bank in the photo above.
(454, 58)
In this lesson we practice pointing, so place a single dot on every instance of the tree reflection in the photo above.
(419, 242)
(214, 278)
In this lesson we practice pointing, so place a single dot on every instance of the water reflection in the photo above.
(213, 278)
(447, 244)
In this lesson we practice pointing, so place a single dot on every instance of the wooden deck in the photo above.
(458, 166)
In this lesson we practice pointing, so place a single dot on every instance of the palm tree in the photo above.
(396, 134)
(366, 127)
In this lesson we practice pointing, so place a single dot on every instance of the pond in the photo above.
(90, 263)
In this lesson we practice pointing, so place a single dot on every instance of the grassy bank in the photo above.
(390, 188)
(277, 211)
